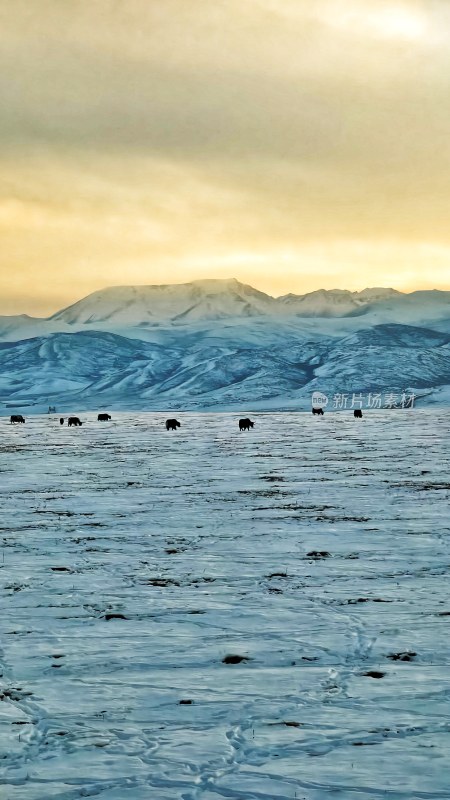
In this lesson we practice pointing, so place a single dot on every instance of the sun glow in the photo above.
(387, 22)
(292, 144)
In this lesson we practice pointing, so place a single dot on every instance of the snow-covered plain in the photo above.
(134, 561)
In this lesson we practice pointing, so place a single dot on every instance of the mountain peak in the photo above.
(208, 299)
(203, 299)
(335, 302)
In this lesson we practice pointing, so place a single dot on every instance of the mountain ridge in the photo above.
(88, 368)
(220, 344)
(214, 298)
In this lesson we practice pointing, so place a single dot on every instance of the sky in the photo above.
(292, 144)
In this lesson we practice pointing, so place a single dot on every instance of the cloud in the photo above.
(139, 136)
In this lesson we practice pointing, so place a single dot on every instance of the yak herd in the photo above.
(171, 424)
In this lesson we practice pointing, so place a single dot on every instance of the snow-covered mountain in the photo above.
(136, 310)
(387, 356)
(88, 368)
(219, 344)
(22, 326)
(205, 300)
(334, 302)
(176, 303)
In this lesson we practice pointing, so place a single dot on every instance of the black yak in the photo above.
(317, 410)
(245, 424)
(172, 424)
(357, 413)
(103, 418)
(16, 418)
(61, 420)
(74, 421)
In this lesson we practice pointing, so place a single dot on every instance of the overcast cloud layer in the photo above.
(293, 144)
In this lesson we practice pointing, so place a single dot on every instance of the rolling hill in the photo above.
(222, 344)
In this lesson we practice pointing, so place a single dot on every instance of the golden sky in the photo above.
(292, 144)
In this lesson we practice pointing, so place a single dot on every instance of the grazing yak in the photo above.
(74, 421)
(317, 410)
(61, 420)
(357, 413)
(103, 418)
(16, 418)
(245, 424)
(172, 424)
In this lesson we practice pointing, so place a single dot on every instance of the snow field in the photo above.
(133, 561)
